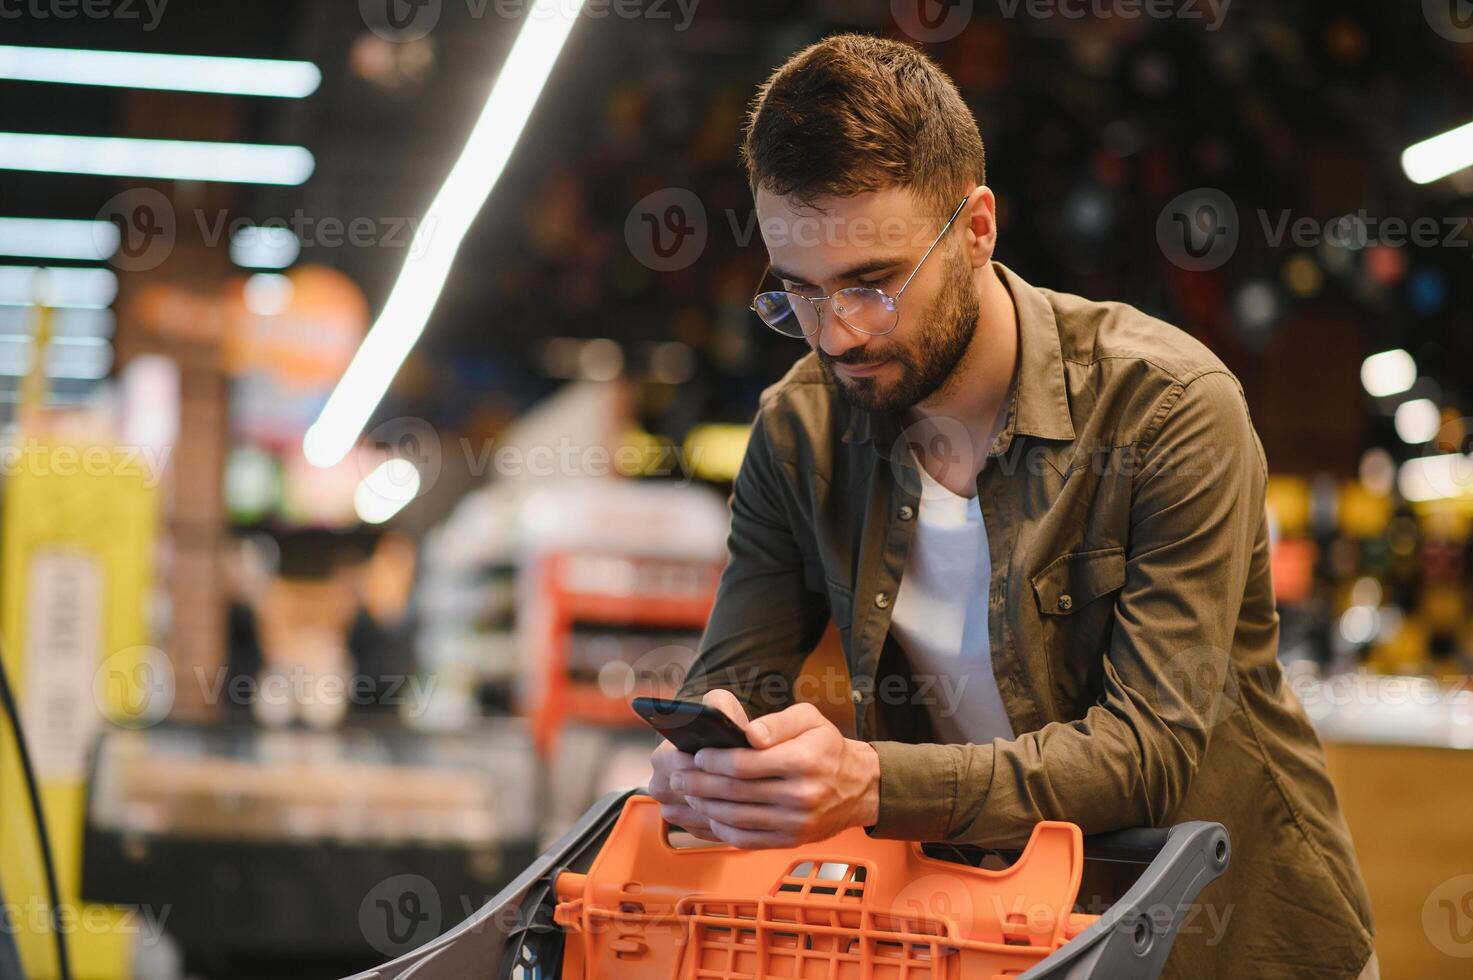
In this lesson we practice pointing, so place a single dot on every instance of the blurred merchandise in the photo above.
(264, 844)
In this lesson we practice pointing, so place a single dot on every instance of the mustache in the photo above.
(854, 357)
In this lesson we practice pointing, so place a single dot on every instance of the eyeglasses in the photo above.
(864, 309)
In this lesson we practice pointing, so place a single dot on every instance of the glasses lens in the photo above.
(866, 310)
(787, 313)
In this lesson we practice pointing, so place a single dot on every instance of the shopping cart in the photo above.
(614, 898)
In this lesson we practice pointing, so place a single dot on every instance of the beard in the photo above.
(929, 361)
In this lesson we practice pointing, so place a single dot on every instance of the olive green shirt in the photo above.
(1131, 622)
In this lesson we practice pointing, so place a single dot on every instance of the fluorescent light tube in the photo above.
(113, 156)
(1438, 157)
(438, 238)
(17, 320)
(62, 287)
(58, 238)
(172, 72)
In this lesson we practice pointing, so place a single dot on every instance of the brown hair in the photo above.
(855, 113)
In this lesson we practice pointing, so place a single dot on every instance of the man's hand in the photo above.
(667, 760)
(802, 781)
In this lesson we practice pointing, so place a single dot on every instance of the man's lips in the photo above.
(861, 370)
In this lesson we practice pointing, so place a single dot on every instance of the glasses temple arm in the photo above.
(758, 290)
(939, 235)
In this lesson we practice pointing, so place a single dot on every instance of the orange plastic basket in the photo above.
(847, 908)
(613, 898)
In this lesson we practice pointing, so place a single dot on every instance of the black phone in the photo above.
(690, 725)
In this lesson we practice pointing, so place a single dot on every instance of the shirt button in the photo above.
(856, 697)
(1066, 602)
(882, 600)
(907, 512)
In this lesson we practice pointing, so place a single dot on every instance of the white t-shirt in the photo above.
(940, 618)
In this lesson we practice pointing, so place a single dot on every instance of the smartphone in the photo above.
(690, 725)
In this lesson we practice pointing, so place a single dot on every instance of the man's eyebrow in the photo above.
(866, 267)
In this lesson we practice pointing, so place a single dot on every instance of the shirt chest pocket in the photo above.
(1075, 621)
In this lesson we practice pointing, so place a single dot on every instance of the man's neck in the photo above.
(977, 393)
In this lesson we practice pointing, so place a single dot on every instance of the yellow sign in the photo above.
(76, 561)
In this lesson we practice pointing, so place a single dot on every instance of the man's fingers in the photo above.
(667, 759)
(750, 839)
(714, 787)
(784, 725)
(664, 763)
(683, 816)
(727, 703)
(744, 816)
(784, 759)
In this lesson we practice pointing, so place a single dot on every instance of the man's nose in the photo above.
(834, 335)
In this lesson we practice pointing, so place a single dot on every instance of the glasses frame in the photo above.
(816, 300)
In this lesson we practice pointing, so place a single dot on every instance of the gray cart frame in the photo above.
(512, 937)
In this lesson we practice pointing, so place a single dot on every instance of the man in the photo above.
(1038, 524)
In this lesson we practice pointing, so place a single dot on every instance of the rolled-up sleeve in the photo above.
(1168, 677)
(765, 621)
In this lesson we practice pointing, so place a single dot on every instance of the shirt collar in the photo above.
(1039, 399)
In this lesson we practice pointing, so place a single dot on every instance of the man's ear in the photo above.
(980, 232)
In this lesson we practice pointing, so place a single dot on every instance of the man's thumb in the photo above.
(782, 726)
(727, 703)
